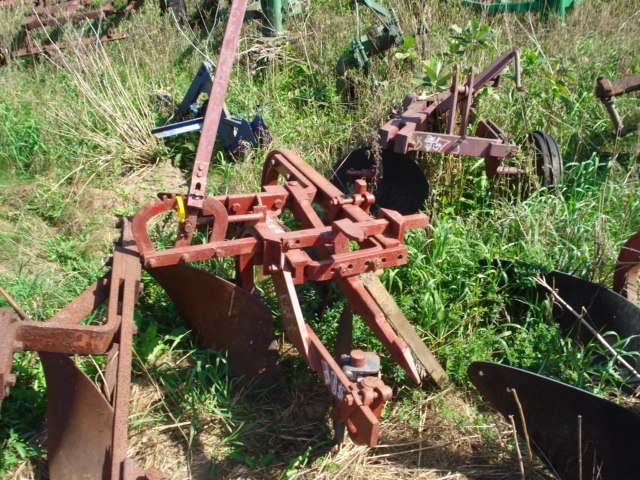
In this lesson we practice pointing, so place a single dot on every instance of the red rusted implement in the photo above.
(607, 91)
(65, 12)
(625, 276)
(339, 243)
(54, 14)
(53, 50)
(440, 124)
(87, 423)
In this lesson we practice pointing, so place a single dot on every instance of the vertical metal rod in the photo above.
(519, 86)
(451, 122)
(464, 114)
(216, 103)
(579, 447)
(21, 313)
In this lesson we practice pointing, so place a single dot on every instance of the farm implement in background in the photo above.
(607, 91)
(440, 124)
(50, 16)
(545, 7)
(337, 240)
(375, 40)
(236, 135)
(272, 14)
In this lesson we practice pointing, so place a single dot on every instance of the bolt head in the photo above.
(357, 358)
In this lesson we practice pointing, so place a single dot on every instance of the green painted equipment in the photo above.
(544, 6)
(272, 14)
(375, 39)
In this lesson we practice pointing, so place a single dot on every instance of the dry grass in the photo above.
(112, 114)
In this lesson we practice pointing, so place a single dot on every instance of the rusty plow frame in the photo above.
(343, 243)
(335, 239)
(87, 423)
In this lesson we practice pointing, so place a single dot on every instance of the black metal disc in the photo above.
(571, 430)
(403, 187)
(549, 165)
(603, 309)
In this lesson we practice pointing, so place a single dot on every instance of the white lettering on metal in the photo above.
(431, 143)
(340, 393)
(332, 381)
(326, 373)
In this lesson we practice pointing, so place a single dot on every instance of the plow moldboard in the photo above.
(224, 317)
(80, 422)
(557, 416)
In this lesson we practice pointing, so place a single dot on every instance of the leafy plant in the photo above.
(434, 74)
(474, 36)
(406, 53)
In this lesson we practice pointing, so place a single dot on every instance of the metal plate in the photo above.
(403, 188)
(557, 416)
(80, 422)
(224, 317)
(604, 309)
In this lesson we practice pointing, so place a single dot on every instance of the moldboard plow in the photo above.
(336, 240)
(342, 243)
(87, 423)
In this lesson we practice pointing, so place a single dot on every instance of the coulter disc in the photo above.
(403, 187)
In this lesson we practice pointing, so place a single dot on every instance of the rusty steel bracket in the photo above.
(625, 276)
(337, 240)
(607, 91)
(87, 423)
